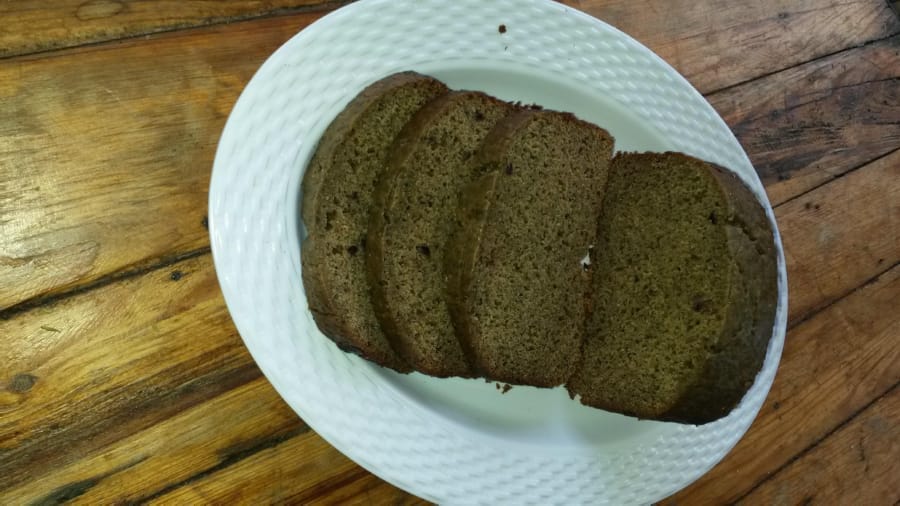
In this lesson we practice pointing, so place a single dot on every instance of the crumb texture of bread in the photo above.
(516, 285)
(337, 196)
(446, 233)
(431, 161)
(684, 289)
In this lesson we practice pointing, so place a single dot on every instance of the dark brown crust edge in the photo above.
(342, 125)
(399, 152)
(317, 293)
(402, 149)
(459, 260)
(464, 242)
(741, 350)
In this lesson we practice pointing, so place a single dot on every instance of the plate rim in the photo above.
(218, 248)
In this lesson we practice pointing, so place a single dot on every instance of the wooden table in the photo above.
(122, 377)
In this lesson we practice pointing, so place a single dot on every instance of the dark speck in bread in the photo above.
(698, 312)
(414, 206)
(337, 197)
(514, 284)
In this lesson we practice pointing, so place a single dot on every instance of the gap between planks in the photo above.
(817, 443)
(324, 7)
(113, 277)
(874, 279)
(811, 60)
(811, 189)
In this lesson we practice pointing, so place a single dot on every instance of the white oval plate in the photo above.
(455, 441)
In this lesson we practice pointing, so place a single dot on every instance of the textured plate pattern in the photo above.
(255, 240)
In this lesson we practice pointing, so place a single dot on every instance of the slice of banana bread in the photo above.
(516, 285)
(337, 196)
(410, 221)
(686, 287)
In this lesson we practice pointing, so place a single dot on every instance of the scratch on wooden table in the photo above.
(119, 101)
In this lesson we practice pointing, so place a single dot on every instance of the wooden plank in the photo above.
(106, 152)
(812, 123)
(247, 420)
(840, 235)
(865, 451)
(158, 137)
(193, 452)
(278, 476)
(833, 365)
(715, 43)
(100, 366)
(169, 403)
(178, 319)
(35, 25)
(305, 470)
(159, 330)
(368, 490)
(719, 43)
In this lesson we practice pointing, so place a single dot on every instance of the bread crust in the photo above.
(409, 224)
(343, 315)
(732, 368)
(736, 351)
(477, 244)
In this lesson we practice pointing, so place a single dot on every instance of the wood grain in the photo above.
(833, 365)
(161, 121)
(864, 451)
(714, 43)
(35, 25)
(812, 123)
(105, 153)
(175, 451)
(127, 356)
(720, 43)
(170, 404)
(306, 470)
(841, 235)
(111, 170)
(368, 490)
(163, 344)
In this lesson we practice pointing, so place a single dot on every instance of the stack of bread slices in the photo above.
(455, 234)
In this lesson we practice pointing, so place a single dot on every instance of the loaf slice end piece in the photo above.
(684, 289)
